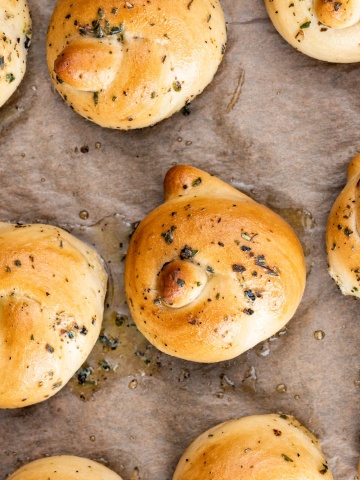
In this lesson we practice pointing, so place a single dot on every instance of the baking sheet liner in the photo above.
(274, 123)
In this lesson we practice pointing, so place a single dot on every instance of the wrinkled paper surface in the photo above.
(274, 123)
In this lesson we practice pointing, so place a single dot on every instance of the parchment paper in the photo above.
(278, 125)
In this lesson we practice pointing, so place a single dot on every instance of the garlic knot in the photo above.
(210, 273)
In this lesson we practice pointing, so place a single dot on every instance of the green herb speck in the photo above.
(120, 320)
(105, 365)
(245, 236)
(9, 77)
(176, 86)
(187, 252)
(169, 235)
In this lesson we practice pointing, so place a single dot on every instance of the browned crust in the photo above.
(261, 447)
(64, 466)
(51, 305)
(252, 262)
(342, 234)
(164, 54)
(333, 13)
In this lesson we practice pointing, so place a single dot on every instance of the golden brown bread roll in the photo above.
(211, 273)
(64, 467)
(324, 29)
(51, 306)
(131, 64)
(342, 234)
(261, 447)
(15, 36)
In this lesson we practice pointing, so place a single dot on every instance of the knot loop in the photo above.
(180, 282)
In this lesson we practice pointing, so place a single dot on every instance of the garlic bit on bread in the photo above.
(261, 447)
(128, 65)
(324, 29)
(64, 466)
(342, 234)
(52, 290)
(211, 273)
(15, 38)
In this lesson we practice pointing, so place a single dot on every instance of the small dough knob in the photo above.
(180, 282)
(354, 168)
(89, 64)
(337, 14)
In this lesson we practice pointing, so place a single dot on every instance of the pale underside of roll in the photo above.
(15, 37)
(211, 273)
(324, 29)
(259, 447)
(131, 64)
(342, 234)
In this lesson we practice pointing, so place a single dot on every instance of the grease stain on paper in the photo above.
(121, 350)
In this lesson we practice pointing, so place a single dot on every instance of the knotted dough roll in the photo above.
(64, 467)
(324, 29)
(15, 37)
(131, 64)
(52, 289)
(211, 273)
(261, 447)
(342, 234)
